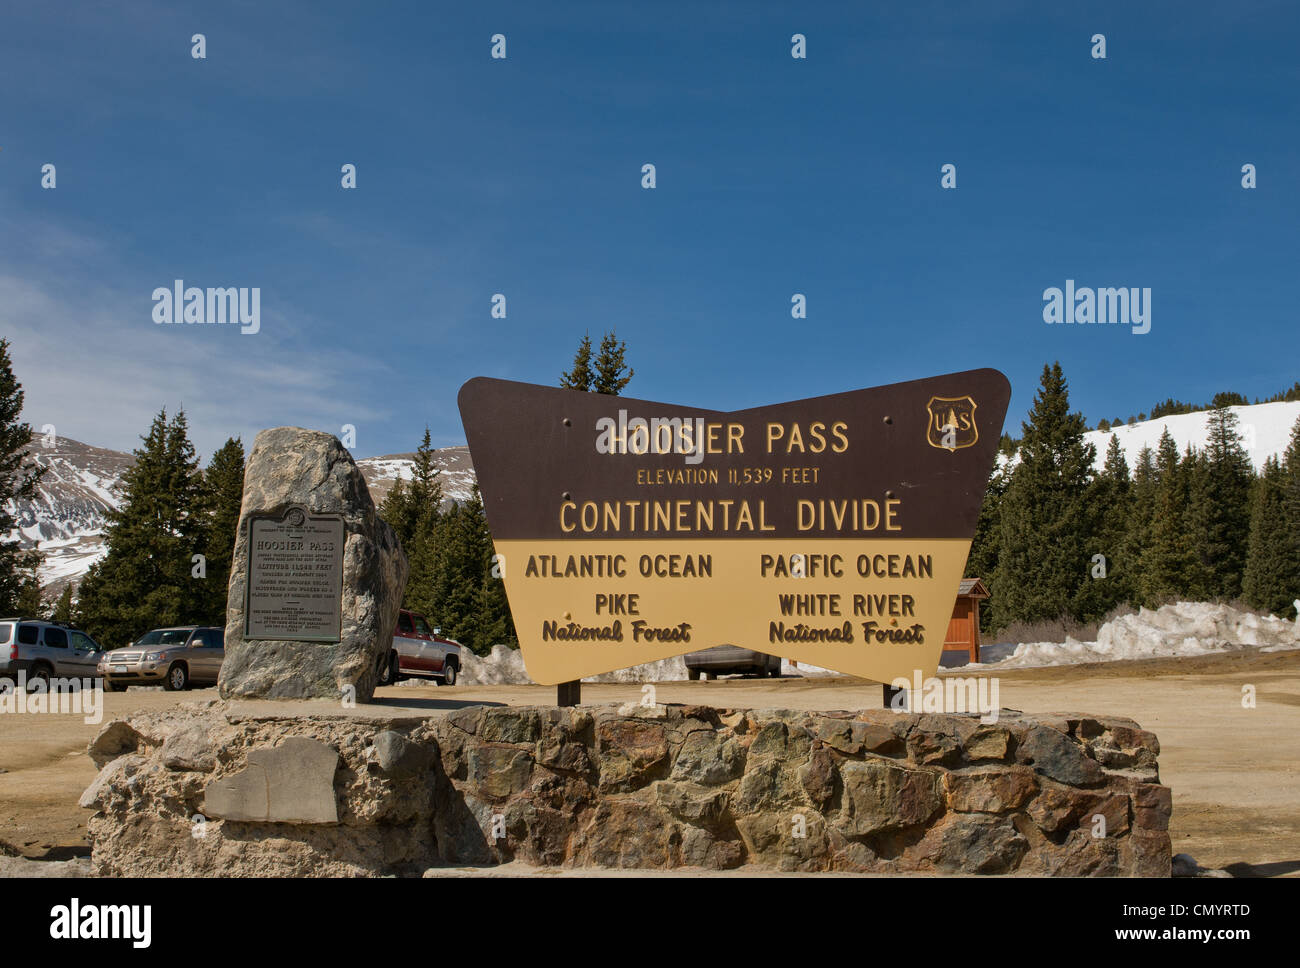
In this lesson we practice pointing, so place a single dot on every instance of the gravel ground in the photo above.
(1234, 771)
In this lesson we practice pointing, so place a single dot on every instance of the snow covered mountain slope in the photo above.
(67, 518)
(1265, 429)
(457, 475)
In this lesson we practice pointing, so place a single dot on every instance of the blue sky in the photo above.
(523, 176)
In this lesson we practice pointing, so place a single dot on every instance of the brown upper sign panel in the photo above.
(820, 530)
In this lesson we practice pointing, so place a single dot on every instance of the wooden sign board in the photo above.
(831, 531)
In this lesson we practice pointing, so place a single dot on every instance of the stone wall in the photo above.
(285, 792)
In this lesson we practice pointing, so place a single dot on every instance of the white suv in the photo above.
(43, 649)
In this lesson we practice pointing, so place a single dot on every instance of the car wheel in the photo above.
(115, 686)
(448, 675)
(178, 677)
(693, 674)
(41, 673)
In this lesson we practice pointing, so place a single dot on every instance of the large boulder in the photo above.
(295, 468)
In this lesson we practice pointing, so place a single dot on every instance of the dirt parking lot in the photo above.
(1234, 771)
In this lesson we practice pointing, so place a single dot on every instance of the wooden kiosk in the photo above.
(964, 627)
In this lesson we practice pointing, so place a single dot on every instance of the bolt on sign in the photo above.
(831, 531)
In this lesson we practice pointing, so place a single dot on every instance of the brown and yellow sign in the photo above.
(832, 531)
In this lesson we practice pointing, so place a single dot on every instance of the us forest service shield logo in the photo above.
(824, 530)
(951, 423)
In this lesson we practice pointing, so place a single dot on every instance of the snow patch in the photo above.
(1181, 629)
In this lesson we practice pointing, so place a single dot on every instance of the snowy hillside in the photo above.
(67, 518)
(1265, 429)
(457, 475)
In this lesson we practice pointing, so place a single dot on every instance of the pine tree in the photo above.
(1220, 515)
(1228, 398)
(493, 620)
(459, 562)
(1110, 569)
(450, 553)
(1168, 563)
(63, 606)
(1044, 514)
(1194, 473)
(398, 511)
(1141, 518)
(19, 478)
(426, 488)
(423, 554)
(222, 498)
(144, 581)
(30, 602)
(414, 510)
(1291, 477)
(610, 367)
(1289, 483)
(983, 557)
(581, 376)
(1272, 574)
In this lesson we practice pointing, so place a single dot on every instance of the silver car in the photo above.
(43, 649)
(174, 658)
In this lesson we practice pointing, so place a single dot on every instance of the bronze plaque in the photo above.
(831, 531)
(295, 577)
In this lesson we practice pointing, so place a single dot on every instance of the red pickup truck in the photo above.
(419, 651)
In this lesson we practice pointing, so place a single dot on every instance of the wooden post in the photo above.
(889, 693)
(568, 693)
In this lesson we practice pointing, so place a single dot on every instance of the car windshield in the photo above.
(164, 637)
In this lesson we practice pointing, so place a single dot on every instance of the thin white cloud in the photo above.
(94, 364)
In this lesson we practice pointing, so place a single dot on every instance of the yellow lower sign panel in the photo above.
(876, 608)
